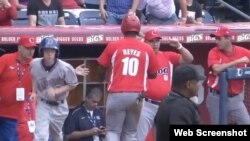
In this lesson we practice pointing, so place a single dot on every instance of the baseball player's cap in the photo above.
(152, 34)
(27, 41)
(221, 32)
(186, 72)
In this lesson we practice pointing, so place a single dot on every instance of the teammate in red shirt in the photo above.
(159, 88)
(131, 62)
(15, 82)
(8, 11)
(226, 55)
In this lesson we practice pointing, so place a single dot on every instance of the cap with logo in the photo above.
(221, 32)
(152, 34)
(27, 41)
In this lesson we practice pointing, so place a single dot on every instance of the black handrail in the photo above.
(242, 14)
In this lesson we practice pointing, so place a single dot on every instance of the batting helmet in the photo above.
(130, 23)
(49, 42)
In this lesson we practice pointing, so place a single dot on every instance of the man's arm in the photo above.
(217, 68)
(32, 20)
(104, 13)
(81, 134)
(63, 89)
(34, 90)
(183, 7)
(186, 56)
(82, 70)
(61, 21)
(134, 6)
(101, 4)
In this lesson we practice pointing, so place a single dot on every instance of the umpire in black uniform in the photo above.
(177, 108)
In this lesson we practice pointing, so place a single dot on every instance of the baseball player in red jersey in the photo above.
(223, 56)
(52, 80)
(159, 88)
(131, 62)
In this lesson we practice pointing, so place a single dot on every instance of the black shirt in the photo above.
(175, 109)
(46, 15)
(79, 120)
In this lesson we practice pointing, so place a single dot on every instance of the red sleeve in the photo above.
(13, 9)
(213, 57)
(105, 58)
(153, 62)
(173, 57)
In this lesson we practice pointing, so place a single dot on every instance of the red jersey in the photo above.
(216, 56)
(6, 15)
(70, 4)
(10, 108)
(131, 60)
(159, 88)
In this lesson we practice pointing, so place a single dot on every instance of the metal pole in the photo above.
(223, 108)
(234, 9)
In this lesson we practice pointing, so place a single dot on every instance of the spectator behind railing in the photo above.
(45, 13)
(8, 12)
(194, 12)
(163, 11)
(117, 9)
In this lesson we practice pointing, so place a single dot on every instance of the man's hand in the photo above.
(181, 21)
(6, 4)
(51, 93)
(174, 43)
(131, 12)
(104, 14)
(243, 60)
(82, 70)
(32, 96)
(96, 131)
(102, 130)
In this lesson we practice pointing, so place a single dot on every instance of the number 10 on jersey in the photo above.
(130, 66)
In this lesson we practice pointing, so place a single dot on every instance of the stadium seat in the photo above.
(21, 20)
(91, 17)
(70, 18)
(207, 17)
